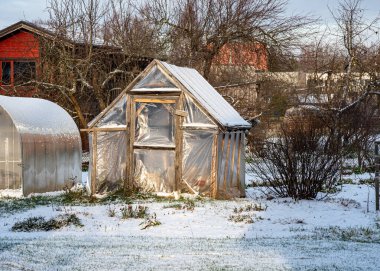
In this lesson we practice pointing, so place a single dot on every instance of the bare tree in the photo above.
(198, 29)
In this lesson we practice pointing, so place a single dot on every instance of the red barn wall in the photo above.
(22, 45)
(243, 54)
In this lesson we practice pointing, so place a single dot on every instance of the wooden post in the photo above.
(94, 158)
(377, 173)
(238, 171)
(227, 159)
(178, 145)
(130, 165)
(214, 168)
(233, 161)
(127, 147)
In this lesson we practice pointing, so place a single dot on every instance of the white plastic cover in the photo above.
(154, 170)
(111, 161)
(195, 117)
(197, 159)
(208, 97)
(154, 124)
(229, 152)
(154, 80)
(116, 116)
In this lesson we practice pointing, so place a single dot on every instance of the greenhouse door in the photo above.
(153, 143)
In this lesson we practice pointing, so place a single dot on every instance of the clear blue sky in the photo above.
(15, 10)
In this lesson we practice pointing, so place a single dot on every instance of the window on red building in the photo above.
(6, 73)
(17, 72)
(23, 72)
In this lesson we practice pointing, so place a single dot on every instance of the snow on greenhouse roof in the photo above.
(38, 116)
(207, 96)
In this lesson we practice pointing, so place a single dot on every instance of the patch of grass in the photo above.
(357, 234)
(111, 211)
(238, 218)
(250, 208)
(40, 224)
(128, 211)
(187, 204)
(14, 205)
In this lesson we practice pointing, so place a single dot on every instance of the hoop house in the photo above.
(40, 146)
(168, 131)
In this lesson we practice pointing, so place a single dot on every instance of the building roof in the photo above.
(197, 86)
(207, 96)
(25, 25)
(38, 116)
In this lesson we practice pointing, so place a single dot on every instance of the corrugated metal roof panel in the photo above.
(207, 96)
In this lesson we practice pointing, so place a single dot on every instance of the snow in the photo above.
(282, 237)
(38, 116)
(207, 96)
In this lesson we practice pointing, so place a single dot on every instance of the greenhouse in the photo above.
(40, 146)
(168, 131)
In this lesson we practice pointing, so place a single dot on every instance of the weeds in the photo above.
(237, 218)
(128, 211)
(249, 208)
(150, 222)
(111, 211)
(187, 204)
(40, 224)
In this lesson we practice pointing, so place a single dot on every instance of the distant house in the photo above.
(253, 55)
(19, 56)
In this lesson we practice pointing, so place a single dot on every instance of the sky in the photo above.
(15, 10)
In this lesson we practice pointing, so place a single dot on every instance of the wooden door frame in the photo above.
(131, 116)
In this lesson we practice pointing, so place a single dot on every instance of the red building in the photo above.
(243, 54)
(19, 57)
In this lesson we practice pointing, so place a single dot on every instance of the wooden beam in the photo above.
(178, 145)
(242, 164)
(150, 100)
(154, 147)
(94, 161)
(127, 145)
(214, 168)
(131, 142)
(104, 129)
(226, 159)
(238, 163)
(232, 166)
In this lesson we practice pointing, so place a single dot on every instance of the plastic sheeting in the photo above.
(111, 161)
(197, 160)
(154, 79)
(230, 174)
(49, 145)
(10, 153)
(154, 170)
(195, 116)
(116, 116)
(154, 124)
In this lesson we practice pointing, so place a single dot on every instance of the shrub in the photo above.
(302, 159)
(40, 224)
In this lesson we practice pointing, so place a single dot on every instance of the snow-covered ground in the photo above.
(341, 232)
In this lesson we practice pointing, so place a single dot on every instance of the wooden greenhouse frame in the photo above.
(225, 134)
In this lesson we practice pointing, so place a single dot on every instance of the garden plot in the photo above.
(341, 231)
